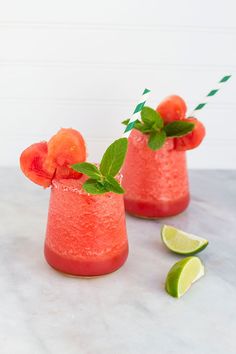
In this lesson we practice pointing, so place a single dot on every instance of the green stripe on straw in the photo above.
(200, 106)
(213, 92)
(136, 112)
(225, 78)
(129, 127)
(139, 107)
(210, 94)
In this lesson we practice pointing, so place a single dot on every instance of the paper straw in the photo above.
(210, 94)
(136, 112)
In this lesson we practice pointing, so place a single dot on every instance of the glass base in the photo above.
(158, 210)
(86, 268)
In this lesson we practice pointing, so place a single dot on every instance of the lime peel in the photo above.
(182, 275)
(182, 242)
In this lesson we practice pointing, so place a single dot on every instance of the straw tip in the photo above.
(225, 78)
(146, 91)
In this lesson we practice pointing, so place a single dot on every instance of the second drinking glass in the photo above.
(156, 182)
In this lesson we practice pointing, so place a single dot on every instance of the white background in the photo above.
(83, 64)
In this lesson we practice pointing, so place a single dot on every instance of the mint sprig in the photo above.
(102, 179)
(151, 118)
(152, 124)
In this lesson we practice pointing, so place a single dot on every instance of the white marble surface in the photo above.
(127, 312)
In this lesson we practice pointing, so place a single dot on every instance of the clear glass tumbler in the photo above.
(156, 182)
(86, 234)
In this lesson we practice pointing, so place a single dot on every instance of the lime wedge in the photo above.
(182, 275)
(181, 242)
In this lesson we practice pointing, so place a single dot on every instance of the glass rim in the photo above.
(60, 183)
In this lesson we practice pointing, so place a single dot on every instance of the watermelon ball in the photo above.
(32, 164)
(172, 108)
(193, 139)
(66, 148)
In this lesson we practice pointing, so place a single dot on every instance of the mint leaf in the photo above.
(142, 127)
(92, 186)
(178, 128)
(87, 169)
(156, 140)
(150, 118)
(145, 130)
(126, 121)
(159, 121)
(113, 185)
(138, 125)
(113, 157)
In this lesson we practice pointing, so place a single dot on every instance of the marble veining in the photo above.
(127, 312)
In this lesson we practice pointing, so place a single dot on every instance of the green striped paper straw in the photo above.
(136, 112)
(210, 94)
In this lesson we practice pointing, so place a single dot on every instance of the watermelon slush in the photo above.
(156, 182)
(86, 234)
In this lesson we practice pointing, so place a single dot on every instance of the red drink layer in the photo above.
(156, 182)
(86, 234)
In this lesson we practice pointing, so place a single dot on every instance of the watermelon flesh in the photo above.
(43, 161)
